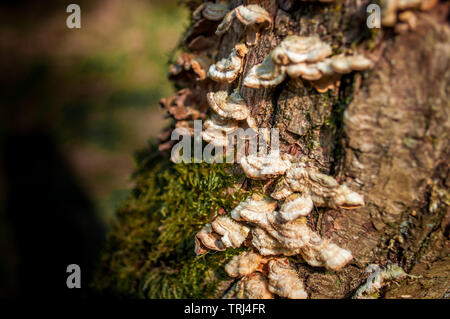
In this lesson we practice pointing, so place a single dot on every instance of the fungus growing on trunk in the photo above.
(284, 280)
(211, 11)
(253, 17)
(217, 129)
(244, 264)
(253, 286)
(257, 166)
(231, 106)
(305, 57)
(228, 69)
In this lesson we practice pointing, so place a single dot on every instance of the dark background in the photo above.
(75, 104)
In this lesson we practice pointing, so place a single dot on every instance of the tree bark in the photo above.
(389, 142)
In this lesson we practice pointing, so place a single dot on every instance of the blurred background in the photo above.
(75, 105)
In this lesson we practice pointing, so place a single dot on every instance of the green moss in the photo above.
(150, 251)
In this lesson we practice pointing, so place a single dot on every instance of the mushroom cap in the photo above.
(254, 286)
(335, 257)
(185, 62)
(348, 199)
(254, 208)
(257, 166)
(244, 264)
(228, 69)
(295, 206)
(233, 234)
(253, 14)
(206, 237)
(268, 245)
(226, 23)
(304, 70)
(216, 130)
(265, 74)
(284, 280)
(215, 11)
(298, 49)
(231, 106)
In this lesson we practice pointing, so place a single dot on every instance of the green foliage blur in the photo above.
(95, 89)
(150, 251)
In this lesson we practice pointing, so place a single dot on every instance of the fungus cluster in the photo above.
(270, 276)
(227, 70)
(275, 226)
(253, 17)
(273, 232)
(306, 58)
(406, 20)
(188, 104)
(230, 112)
(211, 11)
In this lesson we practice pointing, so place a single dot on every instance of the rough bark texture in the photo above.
(394, 145)
(384, 132)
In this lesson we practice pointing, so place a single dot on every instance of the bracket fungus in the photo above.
(295, 237)
(211, 11)
(185, 104)
(390, 8)
(206, 238)
(232, 233)
(324, 190)
(265, 74)
(231, 106)
(254, 206)
(222, 233)
(257, 166)
(253, 17)
(284, 280)
(186, 62)
(266, 245)
(253, 286)
(217, 129)
(244, 264)
(305, 57)
(295, 206)
(297, 49)
(228, 69)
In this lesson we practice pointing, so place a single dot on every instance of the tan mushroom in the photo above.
(211, 11)
(206, 238)
(297, 49)
(265, 74)
(253, 208)
(295, 206)
(231, 106)
(324, 190)
(244, 264)
(284, 280)
(227, 70)
(216, 130)
(232, 234)
(253, 286)
(258, 166)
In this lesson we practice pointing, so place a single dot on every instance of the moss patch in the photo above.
(150, 251)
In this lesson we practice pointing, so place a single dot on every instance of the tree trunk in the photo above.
(384, 132)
